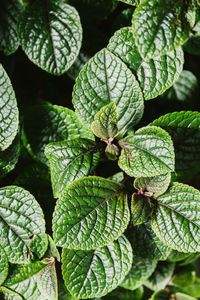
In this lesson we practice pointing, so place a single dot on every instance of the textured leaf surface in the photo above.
(155, 75)
(9, 13)
(50, 33)
(141, 208)
(148, 152)
(3, 266)
(153, 186)
(176, 221)
(94, 273)
(184, 128)
(161, 276)
(70, 160)
(8, 111)
(91, 212)
(123, 294)
(104, 79)
(48, 123)
(141, 269)
(22, 225)
(160, 27)
(9, 294)
(146, 244)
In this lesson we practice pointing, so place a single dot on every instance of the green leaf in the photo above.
(112, 151)
(75, 69)
(3, 266)
(91, 213)
(146, 244)
(160, 27)
(48, 123)
(104, 125)
(141, 269)
(131, 2)
(184, 276)
(22, 225)
(184, 128)
(52, 250)
(95, 273)
(176, 256)
(161, 276)
(8, 111)
(193, 44)
(153, 186)
(9, 13)
(176, 221)
(141, 208)
(104, 79)
(149, 152)
(160, 295)
(50, 33)
(194, 289)
(9, 294)
(190, 259)
(155, 75)
(122, 294)
(70, 160)
(181, 296)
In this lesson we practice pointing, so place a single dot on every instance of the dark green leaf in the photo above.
(184, 276)
(193, 44)
(131, 2)
(123, 294)
(160, 295)
(141, 209)
(3, 266)
(176, 256)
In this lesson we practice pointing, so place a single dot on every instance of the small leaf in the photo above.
(69, 161)
(3, 266)
(141, 269)
(52, 250)
(101, 270)
(176, 256)
(176, 221)
(50, 33)
(104, 79)
(184, 276)
(160, 295)
(160, 28)
(181, 296)
(153, 186)
(161, 276)
(9, 294)
(149, 152)
(22, 225)
(141, 209)
(104, 125)
(155, 75)
(8, 111)
(91, 213)
(112, 152)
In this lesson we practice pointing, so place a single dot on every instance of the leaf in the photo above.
(146, 244)
(160, 295)
(9, 13)
(122, 294)
(181, 296)
(141, 269)
(184, 128)
(50, 33)
(69, 161)
(9, 294)
(131, 2)
(104, 125)
(8, 111)
(48, 123)
(112, 151)
(104, 79)
(155, 75)
(160, 28)
(184, 276)
(141, 208)
(149, 152)
(176, 220)
(161, 276)
(153, 186)
(190, 259)
(193, 44)
(91, 213)
(3, 266)
(22, 225)
(52, 250)
(95, 273)
(176, 256)
(194, 289)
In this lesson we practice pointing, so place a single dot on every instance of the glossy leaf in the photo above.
(160, 27)
(155, 75)
(104, 79)
(141, 209)
(149, 152)
(94, 273)
(176, 220)
(50, 33)
(8, 111)
(91, 213)
(22, 225)
(69, 161)
(9, 294)
(3, 266)
(176, 256)
(52, 250)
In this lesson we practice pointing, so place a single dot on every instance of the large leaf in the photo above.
(149, 152)
(159, 26)
(48, 123)
(50, 33)
(155, 75)
(70, 160)
(91, 212)
(104, 79)
(141, 269)
(22, 225)
(184, 128)
(176, 221)
(8, 111)
(9, 13)
(3, 266)
(94, 273)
